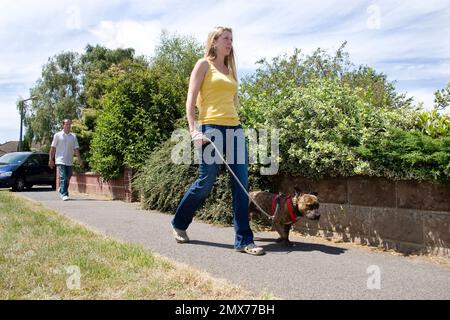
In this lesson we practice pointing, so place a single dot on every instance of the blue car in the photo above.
(23, 170)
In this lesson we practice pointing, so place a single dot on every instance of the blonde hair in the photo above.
(210, 53)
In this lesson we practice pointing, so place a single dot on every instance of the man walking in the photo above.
(64, 145)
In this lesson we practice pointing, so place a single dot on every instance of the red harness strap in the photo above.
(290, 210)
(288, 204)
(274, 203)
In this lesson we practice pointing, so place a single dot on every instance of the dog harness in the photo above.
(276, 206)
(291, 211)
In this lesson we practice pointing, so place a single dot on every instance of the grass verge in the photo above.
(43, 255)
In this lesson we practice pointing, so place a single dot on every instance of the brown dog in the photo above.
(302, 204)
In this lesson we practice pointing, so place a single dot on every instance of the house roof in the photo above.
(7, 147)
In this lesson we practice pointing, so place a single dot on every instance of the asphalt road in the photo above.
(309, 270)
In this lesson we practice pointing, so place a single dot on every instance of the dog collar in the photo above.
(294, 205)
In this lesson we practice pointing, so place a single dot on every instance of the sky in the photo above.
(408, 40)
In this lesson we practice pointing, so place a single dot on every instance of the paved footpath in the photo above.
(309, 270)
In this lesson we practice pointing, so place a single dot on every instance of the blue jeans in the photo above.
(208, 171)
(65, 172)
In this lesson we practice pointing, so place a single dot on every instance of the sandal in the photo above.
(251, 249)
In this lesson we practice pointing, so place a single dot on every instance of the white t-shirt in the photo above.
(65, 144)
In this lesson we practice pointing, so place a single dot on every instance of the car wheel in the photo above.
(19, 185)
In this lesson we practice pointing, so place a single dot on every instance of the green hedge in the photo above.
(400, 154)
(324, 128)
(137, 115)
(162, 184)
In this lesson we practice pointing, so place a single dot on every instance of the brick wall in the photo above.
(405, 216)
(92, 184)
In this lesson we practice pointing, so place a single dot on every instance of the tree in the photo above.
(442, 98)
(172, 64)
(95, 61)
(68, 86)
(27, 141)
(57, 94)
(284, 73)
(374, 88)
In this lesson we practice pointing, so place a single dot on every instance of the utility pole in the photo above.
(21, 105)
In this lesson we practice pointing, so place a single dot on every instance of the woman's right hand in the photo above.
(198, 138)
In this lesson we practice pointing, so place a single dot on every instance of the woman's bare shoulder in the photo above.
(202, 64)
(201, 67)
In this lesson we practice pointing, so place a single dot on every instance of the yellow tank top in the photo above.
(215, 100)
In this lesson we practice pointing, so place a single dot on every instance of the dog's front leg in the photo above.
(284, 236)
(287, 228)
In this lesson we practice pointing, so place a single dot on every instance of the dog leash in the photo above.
(233, 174)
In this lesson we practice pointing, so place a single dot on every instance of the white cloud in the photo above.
(142, 36)
(425, 96)
(10, 115)
(422, 71)
(10, 120)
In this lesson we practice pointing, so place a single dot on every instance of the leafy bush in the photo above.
(403, 154)
(136, 117)
(335, 121)
(320, 126)
(162, 184)
(276, 78)
(434, 124)
(139, 104)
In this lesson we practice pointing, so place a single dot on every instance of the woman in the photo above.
(213, 88)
